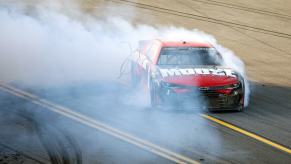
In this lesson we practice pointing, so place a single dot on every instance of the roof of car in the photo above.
(184, 44)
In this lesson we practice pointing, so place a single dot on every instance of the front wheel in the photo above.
(154, 96)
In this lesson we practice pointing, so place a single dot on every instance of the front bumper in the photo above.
(204, 99)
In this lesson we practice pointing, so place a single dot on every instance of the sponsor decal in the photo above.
(143, 61)
(197, 71)
(204, 88)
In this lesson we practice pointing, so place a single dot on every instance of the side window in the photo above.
(146, 48)
(152, 51)
(149, 50)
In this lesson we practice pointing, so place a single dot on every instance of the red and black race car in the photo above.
(178, 72)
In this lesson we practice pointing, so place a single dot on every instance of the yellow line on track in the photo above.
(143, 144)
(252, 135)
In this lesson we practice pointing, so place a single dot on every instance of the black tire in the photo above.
(134, 78)
(243, 94)
(210, 110)
(153, 95)
(241, 108)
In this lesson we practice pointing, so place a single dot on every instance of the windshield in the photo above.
(189, 56)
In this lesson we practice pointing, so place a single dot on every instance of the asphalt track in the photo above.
(95, 123)
(188, 136)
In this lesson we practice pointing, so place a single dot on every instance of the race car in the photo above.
(181, 72)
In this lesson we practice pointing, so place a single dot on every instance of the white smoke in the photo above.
(234, 62)
(49, 47)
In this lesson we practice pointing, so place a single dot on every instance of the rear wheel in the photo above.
(134, 77)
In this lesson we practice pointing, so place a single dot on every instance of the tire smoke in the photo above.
(46, 46)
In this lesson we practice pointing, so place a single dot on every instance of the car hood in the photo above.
(202, 76)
